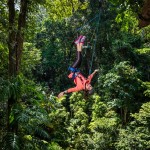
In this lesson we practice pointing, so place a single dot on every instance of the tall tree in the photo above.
(15, 40)
(16, 34)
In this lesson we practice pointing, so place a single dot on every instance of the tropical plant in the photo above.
(137, 134)
(120, 86)
(103, 126)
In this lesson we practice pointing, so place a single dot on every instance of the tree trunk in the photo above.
(12, 52)
(144, 16)
(125, 115)
(15, 45)
(11, 37)
(20, 33)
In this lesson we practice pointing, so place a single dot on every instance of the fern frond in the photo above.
(11, 142)
(40, 132)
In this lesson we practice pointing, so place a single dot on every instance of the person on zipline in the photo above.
(81, 82)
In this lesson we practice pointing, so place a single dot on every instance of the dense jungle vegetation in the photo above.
(35, 52)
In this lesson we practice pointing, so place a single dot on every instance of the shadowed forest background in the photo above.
(36, 50)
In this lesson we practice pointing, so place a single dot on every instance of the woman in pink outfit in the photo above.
(80, 81)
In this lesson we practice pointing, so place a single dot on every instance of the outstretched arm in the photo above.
(75, 89)
(91, 75)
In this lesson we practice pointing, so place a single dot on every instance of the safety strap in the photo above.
(74, 70)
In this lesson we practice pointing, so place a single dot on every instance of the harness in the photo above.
(74, 70)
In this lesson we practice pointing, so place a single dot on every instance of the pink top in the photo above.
(80, 82)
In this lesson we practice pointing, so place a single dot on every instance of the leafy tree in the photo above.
(137, 134)
(78, 123)
(120, 86)
(66, 10)
(103, 126)
(70, 122)
(84, 123)
(29, 116)
(30, 59)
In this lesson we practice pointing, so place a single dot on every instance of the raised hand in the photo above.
(96, 70)
(60, 94)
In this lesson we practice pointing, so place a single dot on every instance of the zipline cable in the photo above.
(97, 15)
(95, 41)
(87, 22)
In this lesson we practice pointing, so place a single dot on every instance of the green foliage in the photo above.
(137, 135)
(103, 126)
(147, 91)
(127, 21)
(3, 60)
(120, 87)
(77, 127)
(3, 22)
(144, 51)
(54, 146)
(143, 116)
(29, 114)
(11, 88)
(144, 61)
(30, 59)
(58, 119)
(127, 13)
(60, 9)
(121, 84)
(41, 121)
(84, 123)
(123, 48)
(12, 142)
